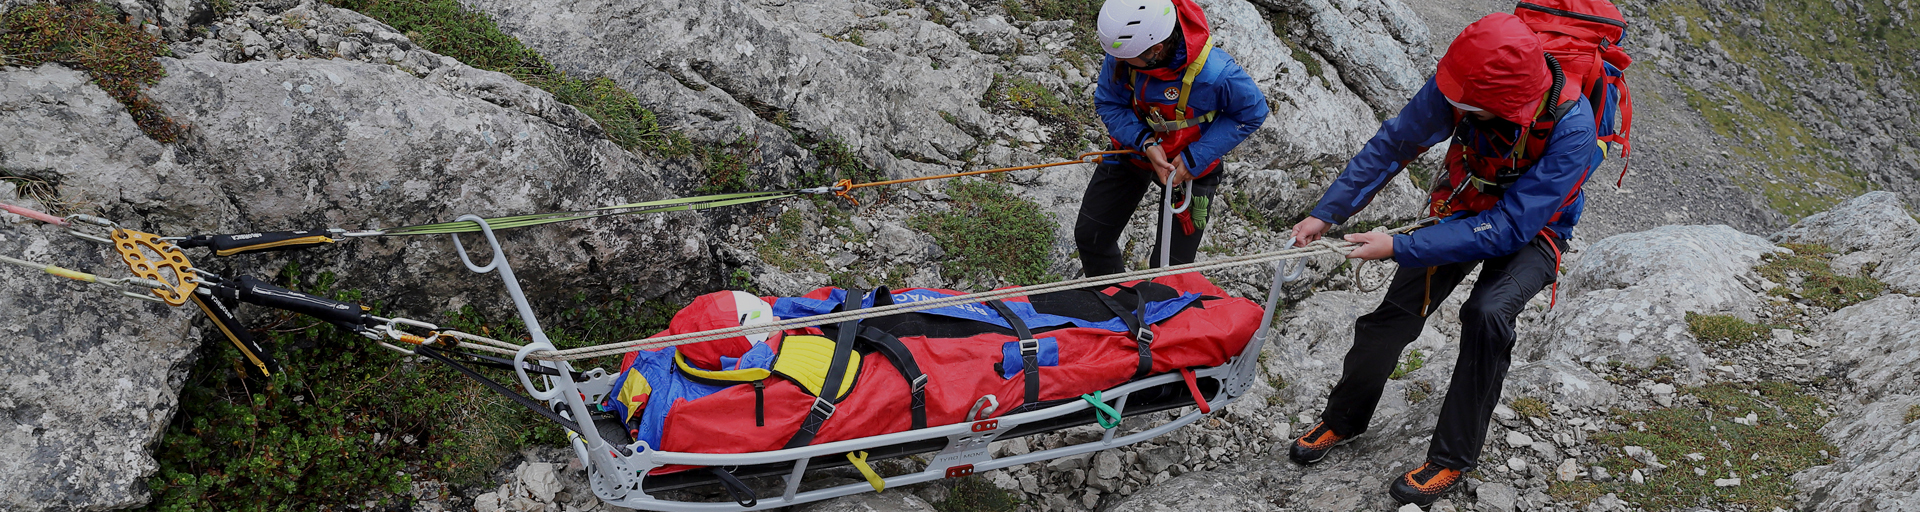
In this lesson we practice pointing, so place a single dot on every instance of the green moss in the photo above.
(446, 28)
(990, 231)
(975, 494)
(1418, 391)
(1530, 407)
(90, 36)
(1913, 414)
(1415, 360)
(1818, 283)
(778, 248)
(1725, 330)
(1764, 455)
(1580, 492)
(345, 423)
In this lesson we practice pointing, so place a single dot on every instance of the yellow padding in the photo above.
(634, 393)
(805, 358)
(740, 375)
(859, 460)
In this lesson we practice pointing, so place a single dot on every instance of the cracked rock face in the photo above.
(87, 377)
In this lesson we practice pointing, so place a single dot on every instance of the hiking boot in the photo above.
(1314, 445)
(1425, 484)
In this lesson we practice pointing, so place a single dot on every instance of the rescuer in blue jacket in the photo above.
(1509, 197)
(1166, 91)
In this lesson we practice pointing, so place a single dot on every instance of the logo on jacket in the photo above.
(1172, 93)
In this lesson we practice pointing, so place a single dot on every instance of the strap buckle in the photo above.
(1029, 346)
(919, 383)
(822, 408)
(1143, 335)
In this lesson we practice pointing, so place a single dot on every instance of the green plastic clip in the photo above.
(1105, 414)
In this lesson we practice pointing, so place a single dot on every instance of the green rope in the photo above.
(1105, 414)
(660, 206)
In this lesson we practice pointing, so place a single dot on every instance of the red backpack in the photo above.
(1584, 35)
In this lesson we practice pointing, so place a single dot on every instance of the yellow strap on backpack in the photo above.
(742, 375)
(805, 359)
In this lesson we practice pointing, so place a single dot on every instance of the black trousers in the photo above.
(1486, 347)
(1112, 196)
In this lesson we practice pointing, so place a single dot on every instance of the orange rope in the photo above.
(844, 188)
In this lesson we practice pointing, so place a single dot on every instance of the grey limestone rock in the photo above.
(1206, 490)
(90, 377)
(1880, 340)
(1626, 297)
(1879, 448)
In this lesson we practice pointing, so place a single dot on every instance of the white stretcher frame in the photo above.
(967, 444)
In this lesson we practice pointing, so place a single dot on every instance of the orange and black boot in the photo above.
(1314, 445)
(1425, 484)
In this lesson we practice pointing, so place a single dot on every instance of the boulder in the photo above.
(1880, 341)
(1627, 296)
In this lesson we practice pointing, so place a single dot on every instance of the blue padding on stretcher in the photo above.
(796, 307)
(1011, 364)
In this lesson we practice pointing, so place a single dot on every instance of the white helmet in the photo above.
(752, 311)
(1129, 27)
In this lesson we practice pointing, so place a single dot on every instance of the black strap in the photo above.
(836, 371)
(759, 403)
(1029, 349)
(738, 489)
(1136, 327)
(229, 324)
(435, 354)
(902, 359)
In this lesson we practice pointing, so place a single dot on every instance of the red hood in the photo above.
(1193, 27)
(1496, 64)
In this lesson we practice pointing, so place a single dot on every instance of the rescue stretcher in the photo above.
(634, 474)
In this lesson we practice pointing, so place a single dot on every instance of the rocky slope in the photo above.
(305, 115)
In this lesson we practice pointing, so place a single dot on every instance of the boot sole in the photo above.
(1323, 455)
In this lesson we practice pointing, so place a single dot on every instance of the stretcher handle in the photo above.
(228, 245)
(1299, 265)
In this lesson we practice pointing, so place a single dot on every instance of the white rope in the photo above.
(1322, 246)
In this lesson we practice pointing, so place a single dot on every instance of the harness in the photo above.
(1176, 124)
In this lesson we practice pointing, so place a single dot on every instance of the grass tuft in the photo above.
(1817, 283)
(990, 231)
(1725, 330)
(89, 36)
(1024, 96)
(1530, 407)
(1913, 414)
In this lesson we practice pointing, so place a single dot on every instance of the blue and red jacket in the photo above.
(1544, 197)
(1221, 89)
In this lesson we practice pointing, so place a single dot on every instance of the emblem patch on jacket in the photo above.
(1172, 93)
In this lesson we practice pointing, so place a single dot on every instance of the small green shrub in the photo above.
(1913, 413)
(89, 36)
(728, 166)
(991, 231)
(975, 494)
(345, 423)
(1025, 96)
(1725, 330)
(1415, 360)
